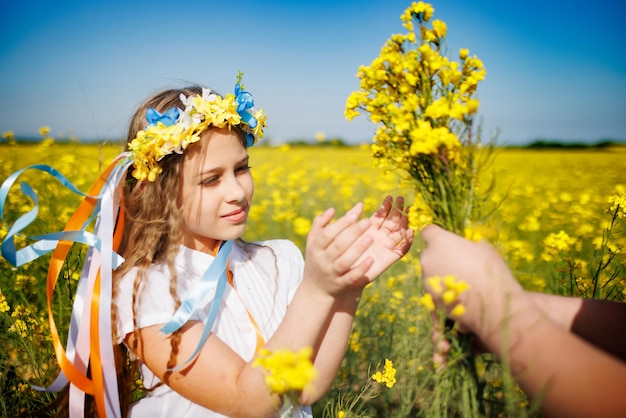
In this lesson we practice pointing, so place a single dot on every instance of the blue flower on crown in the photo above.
(168, 118)
(244, 102)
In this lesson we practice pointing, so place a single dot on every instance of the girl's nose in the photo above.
(235, 192)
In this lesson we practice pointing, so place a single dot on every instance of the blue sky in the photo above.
(555, 69)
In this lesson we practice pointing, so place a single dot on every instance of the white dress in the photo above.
(265, 286)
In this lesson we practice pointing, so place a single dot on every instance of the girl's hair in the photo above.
(152, 234)
(153, 220)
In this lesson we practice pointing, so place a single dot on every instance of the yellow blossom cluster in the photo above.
(618, 201)
(302, 226)
(4, 305)
(25, 323)
(287, 371)
(416, 94)
(556, 244)
(423, 104)
(448, 288)
(388, 376)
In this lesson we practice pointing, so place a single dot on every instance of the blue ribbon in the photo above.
(215, 273)
(46, 243)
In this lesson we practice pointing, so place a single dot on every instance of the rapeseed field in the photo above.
(551, 213)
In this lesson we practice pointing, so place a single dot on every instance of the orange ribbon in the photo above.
(260, 341)
(94, 386)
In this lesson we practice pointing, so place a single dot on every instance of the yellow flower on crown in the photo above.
(175, 129)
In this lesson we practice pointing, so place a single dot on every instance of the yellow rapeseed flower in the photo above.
(301, 226)
(4, 305)
(449, 287)
(435, 284)
(555, 244)
(420, 10)
(440, 28)
(458, 310)
(427, 302)
(388, 376)
(19, 327)
(287, 371)
(618, 201)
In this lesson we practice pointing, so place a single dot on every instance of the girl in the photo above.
(192, 302)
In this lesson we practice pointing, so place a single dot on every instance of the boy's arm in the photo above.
(599, 322)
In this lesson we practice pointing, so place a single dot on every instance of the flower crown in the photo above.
(175, 129)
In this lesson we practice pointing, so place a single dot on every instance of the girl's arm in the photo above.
(319, 316)
(391, 239)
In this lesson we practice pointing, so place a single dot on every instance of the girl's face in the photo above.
(216, 191)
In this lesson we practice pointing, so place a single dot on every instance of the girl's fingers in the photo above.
(356, 277)
(319, 222)
(405, 244)
(350, 246)
(397, 215)
(323, 219)
(329, 233)
(379, 217)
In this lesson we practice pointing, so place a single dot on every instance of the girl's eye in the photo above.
(243, 168)
(209, 181)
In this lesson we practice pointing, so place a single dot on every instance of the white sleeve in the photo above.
(156, 305)
(291, 264)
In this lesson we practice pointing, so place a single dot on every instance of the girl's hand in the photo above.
(392, 237)
(332, 251)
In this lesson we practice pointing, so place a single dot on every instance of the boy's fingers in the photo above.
(430, 232)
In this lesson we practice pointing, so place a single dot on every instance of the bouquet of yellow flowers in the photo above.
(425, 107)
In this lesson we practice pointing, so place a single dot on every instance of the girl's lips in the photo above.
(236, 216)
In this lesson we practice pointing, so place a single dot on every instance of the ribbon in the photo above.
(89, 343)
(260, 341)
(215, 275)
(89, 339)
